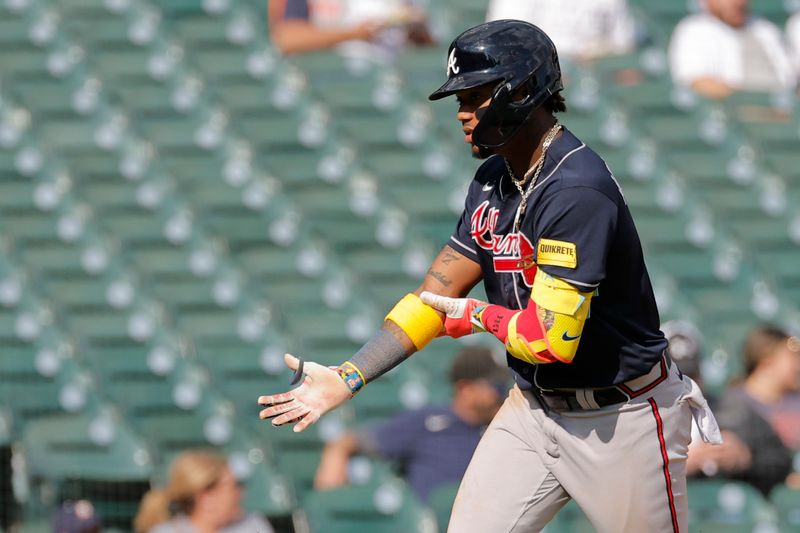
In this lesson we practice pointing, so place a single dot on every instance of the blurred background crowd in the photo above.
(191, 188)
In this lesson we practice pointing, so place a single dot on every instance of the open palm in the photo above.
(321, 390)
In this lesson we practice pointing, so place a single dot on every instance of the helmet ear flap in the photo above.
(503, 117)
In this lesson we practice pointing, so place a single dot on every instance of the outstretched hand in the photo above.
(321, 390)
(462, 315)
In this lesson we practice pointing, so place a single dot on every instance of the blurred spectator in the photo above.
(201, 496)
(581, 29)
(434, 444)
(76, 517)
(763, 412)
(724, 49)
(686, 348)
(793, 39)
(361, 28)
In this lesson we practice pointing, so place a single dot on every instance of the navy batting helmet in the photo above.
(509, 53)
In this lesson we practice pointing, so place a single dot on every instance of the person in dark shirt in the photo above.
(432, 445)
(753, 410)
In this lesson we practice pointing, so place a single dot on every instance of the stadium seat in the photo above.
(717, 503)
(97, 457)
(382, 507)
(570, 519)
(787, 505)
(441, 502)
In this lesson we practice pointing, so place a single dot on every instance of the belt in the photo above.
(581, 398)
(586, 399)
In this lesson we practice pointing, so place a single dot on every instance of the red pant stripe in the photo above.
(665, 460)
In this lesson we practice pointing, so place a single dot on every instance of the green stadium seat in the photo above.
(35, 385)
(184, 292)
(99, 28)
(23, 59)
(6, 429)
(238, 371)
(81, 446)
(787, 506)
(98, 458)
(725, 503)
(146, 97)
(94, 325)
(135, 227)
(29, 226)
(131, 363)
(570, 519)
(441, 502)
(123, 64)
(16, 194)
(382, 507)
(269, 492)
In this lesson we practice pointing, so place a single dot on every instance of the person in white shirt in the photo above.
(582, 30)
(793, 39)
(724, 49)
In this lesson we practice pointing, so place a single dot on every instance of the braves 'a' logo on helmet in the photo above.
(452, 68)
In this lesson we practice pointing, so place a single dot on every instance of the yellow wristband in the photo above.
(419, 321)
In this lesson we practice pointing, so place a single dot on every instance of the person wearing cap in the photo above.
(433, 444)
(78, 516)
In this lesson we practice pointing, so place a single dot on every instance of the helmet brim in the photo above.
(461, 82)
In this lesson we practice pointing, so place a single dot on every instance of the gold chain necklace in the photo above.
(534, 170)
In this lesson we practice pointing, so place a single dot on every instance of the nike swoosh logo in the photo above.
(487, 187)
(565, 337)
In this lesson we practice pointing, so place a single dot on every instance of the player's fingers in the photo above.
(276, 410)
(274, 399)
(449, 306)
(307, 420)
(291, 416)
(434, 300)
(291, 361)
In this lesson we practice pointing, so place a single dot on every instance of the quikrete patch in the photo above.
(556, 253)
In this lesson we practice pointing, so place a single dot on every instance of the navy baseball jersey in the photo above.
(576, 227)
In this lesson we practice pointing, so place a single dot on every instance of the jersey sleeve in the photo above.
(573, 231)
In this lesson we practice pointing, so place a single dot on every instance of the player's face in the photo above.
(470, 101)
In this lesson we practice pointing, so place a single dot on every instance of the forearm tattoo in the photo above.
(438, 276)
(547, 317)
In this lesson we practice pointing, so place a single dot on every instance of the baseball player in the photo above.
(598, 413)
